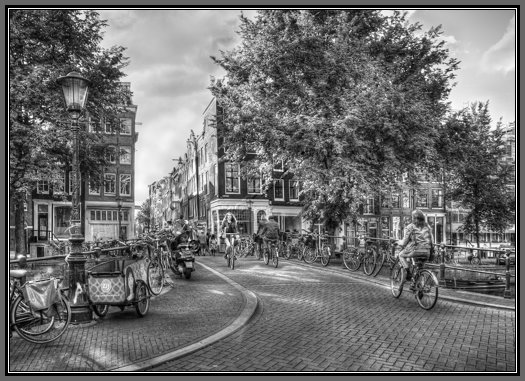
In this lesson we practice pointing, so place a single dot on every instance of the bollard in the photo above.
(442, 264)
(507, 293)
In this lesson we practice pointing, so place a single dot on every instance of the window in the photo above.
(395, 200)
(406, 199)
(42, 187)
(422, 198)
(125, 126)
(437, 198)
(369, 206)
(94, 126)
(385, 201)
(62, 218)
(206, 153)
(232, 177)
(294, 189)
(108, 127)
(109, 183)
(278, 186)
(254, 184)
(125, 185)
(125, 155)
(279, 167)
(111, 154)
(94, 186)
(60, 186)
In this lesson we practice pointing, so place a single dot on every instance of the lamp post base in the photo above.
(81, 314)
(80, 310)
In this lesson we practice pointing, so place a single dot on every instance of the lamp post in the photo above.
(119, 219)
(193, 141)
(75, 88)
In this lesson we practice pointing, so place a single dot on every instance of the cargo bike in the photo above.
(120, 282)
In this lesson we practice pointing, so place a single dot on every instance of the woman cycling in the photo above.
(229, 225)
(417, 241)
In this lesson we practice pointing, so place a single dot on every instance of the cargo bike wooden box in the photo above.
(118, 282)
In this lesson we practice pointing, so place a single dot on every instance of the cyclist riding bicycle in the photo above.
(258, 238)
(416, 243)
(229, 225)
(270, 231)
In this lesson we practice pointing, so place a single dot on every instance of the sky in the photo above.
(170, 69)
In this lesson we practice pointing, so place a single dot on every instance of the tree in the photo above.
(476, 176)
(346, 99)
(44, 45)
(144, 214)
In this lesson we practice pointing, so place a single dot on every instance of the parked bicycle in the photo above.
(33, 320)
(271, 251)
(294, 247)
(424, 283)
(363, 253)
(321, 249)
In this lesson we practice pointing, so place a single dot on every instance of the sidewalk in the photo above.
(193, 314)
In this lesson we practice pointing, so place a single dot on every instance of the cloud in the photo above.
(501, 56)
(449, 40)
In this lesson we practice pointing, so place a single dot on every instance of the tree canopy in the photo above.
(476, 176)
(346, 99)
(44, 45)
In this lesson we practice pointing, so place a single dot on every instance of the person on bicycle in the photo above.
(270, 231)
(417, 241)
(258, 238)
(229, 225)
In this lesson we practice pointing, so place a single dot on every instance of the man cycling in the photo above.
(270, 231)
(258, 238)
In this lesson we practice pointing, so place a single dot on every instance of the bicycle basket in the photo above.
(41, 294)
(106, 288)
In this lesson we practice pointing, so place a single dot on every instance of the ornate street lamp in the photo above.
(75, 88)
(119, 205)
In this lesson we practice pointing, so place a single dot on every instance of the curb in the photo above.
(441, 296)
(250, 305)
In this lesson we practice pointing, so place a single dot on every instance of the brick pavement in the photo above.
(309, 319)
(317, 320)
(190, 312)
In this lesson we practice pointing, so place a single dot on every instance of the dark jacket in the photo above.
(270, 230)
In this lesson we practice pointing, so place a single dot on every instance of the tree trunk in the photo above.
(20, 233)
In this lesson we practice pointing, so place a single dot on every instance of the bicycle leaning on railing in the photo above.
(363, 253)
(423, 283)
(42, 313)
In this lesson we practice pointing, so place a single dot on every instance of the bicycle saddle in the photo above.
(17, 273)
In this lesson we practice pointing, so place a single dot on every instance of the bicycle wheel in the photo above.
(233, 254)
(266, 255)
(351, 259)
(396, 279)
(300, 252)
(40, 326)
(426, 289)
(325, 256)
(476, 261)
(288, 251)
(275, 257)
(100, 310)
(155, 277)
(380, 260)
(309, 255)
(369, 261)
(141, 295)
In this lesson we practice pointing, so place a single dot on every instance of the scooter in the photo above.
(184, 259)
